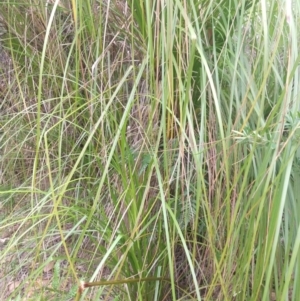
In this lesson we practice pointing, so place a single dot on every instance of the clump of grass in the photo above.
(149, 141)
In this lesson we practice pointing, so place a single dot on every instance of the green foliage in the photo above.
(149, 140)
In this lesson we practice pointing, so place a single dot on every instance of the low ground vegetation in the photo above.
(150, 148)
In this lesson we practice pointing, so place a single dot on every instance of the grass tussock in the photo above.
(150, 149)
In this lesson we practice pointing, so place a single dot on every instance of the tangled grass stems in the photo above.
(149, 140)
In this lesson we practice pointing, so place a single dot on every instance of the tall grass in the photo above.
(152, 140)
